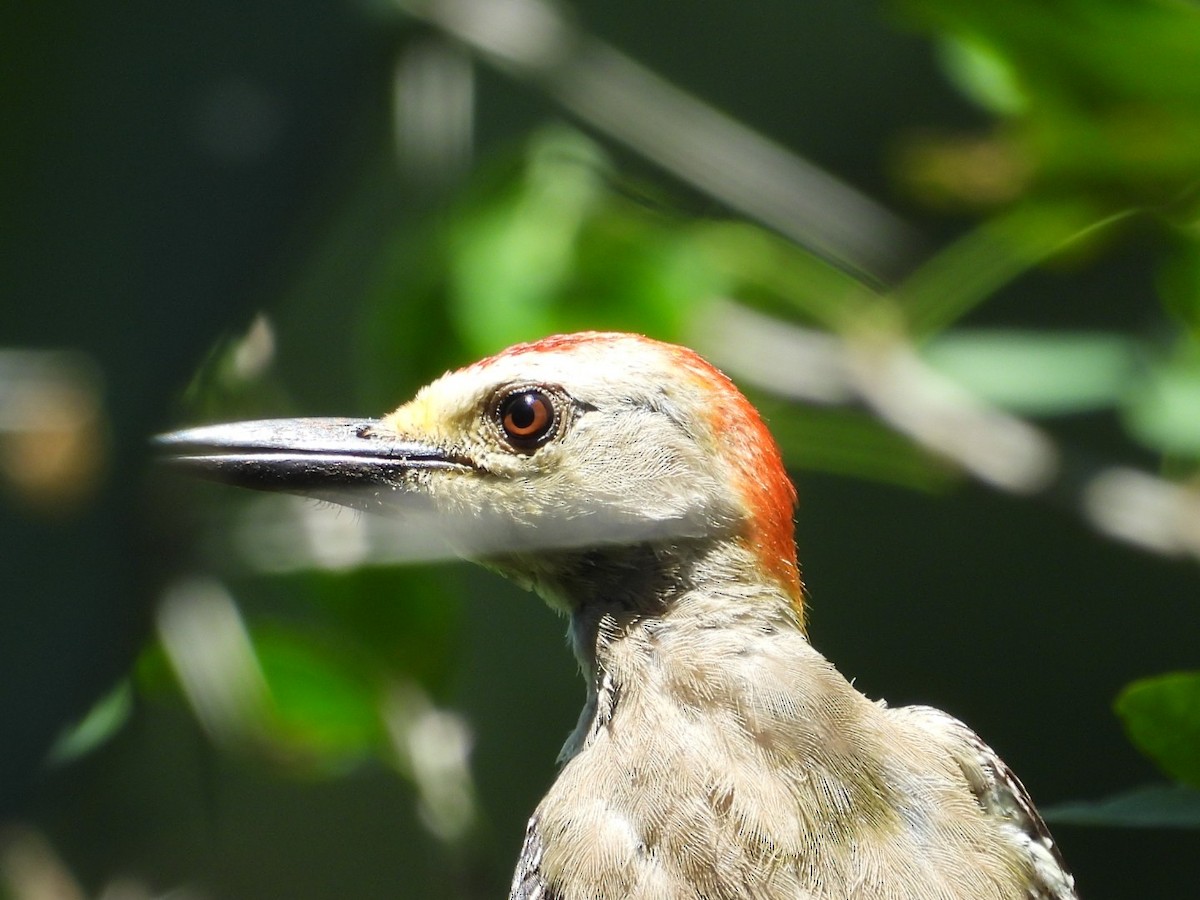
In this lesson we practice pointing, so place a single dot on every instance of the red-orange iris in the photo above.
(527, 417)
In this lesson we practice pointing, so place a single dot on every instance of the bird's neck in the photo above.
(633, 607)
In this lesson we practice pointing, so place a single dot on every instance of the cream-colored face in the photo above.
(557, 454)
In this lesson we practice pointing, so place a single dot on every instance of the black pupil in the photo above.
(523, 411)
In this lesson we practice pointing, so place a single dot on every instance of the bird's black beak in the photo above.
(315, 457)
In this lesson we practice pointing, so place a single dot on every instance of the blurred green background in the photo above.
(989, 398)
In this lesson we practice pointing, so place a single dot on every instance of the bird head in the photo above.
(542, 458)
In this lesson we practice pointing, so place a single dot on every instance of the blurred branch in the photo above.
(689, 138)
(433, 98)
(31, 869)
(1145, 510)
(433, 748)
(208, 644)
(883, 371)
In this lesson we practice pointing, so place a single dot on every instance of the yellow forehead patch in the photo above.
(434, 415)
(414, 417)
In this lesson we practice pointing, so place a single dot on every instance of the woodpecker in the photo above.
(718, 754)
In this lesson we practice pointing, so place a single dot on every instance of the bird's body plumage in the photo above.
(718, 754)
(721, 756)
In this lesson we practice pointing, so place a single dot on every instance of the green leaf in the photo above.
(325, 704)
(511, 256)
(977, 265)
(101, 722)
(983, 74)
(1164, 412)
(1112, 88)
(761, 264)
(1152, 806)
(405, 619)
(1162, 717)
(1037, 373)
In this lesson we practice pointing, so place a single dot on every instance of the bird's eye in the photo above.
(527, 418)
